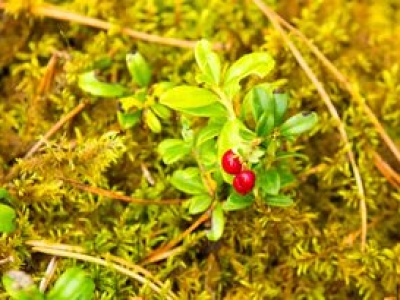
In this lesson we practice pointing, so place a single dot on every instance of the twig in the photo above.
(114, 195)
(51, 268)
(158, 254)
(63, 253)
(346, 84)
(271, 15)
(77, 109)
(50, 11)
(387, 170)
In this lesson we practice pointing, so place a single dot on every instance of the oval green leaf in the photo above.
(236, 202)
(217, 223)
(188, 97)
(278, 200)
(90, 84)
(199, 203)
(172, 150)
(208, 62)
(7, 218)
(152, 121)
(139, 69)
(270, 182)
(188, 181)
(299, 123)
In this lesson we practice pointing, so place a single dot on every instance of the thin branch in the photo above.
(114, 195)
(102, 262)
(387, 171)
(346, 84)
(271, 15)
(158, 254)
(54, 12)
(77, 109)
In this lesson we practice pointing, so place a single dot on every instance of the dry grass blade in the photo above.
(387, 171)
(114, 195)
(102, 262)
(272, 16)
(77, 109)
(346, 84)
(50, 11)
(159, 253)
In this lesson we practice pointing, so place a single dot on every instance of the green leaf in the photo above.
(215, 110)
(139, 69)
(7, 218)
(207, 152)
(172, 150)
(152, 121)
(4, 194)
(207, 133)
(128, 120)
(199, 203)
(188, 181)
(188, 97)
(281, 104)
(161, 111)
(299, 123)
(270, 182)
(90, 84)
(217, 223)
(265, 124)
(208, 62)
(236, 202)
(258, 63)
(73, 284)
(262, 102)
(278, 200)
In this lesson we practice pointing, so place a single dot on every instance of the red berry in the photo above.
(231, 163)
(244, 182)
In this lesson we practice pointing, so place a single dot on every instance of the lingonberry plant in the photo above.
(242, 144)
(135, 106)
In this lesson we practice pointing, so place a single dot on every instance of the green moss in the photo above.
(309, 251)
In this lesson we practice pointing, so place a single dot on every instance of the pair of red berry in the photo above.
(244, 180)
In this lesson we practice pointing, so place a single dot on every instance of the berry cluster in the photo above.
(244, 180)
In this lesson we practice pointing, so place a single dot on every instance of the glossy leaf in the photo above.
(207, 133)
(215, 110)
(188, 97)
(139, 69)
(265, 124)
(269, 181)
(199, 203)
(161, 111)
(299, 123)
(278, 200)
(152, 121)
(236, 201)
(208, 62)
(207, 153)
(73, 284)
(281, 105)
(7, 218)
(128, 120)
(188, 181)
(90, 84)
(262, 102)
(172, 150)
(217, 223)
(258, 63)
